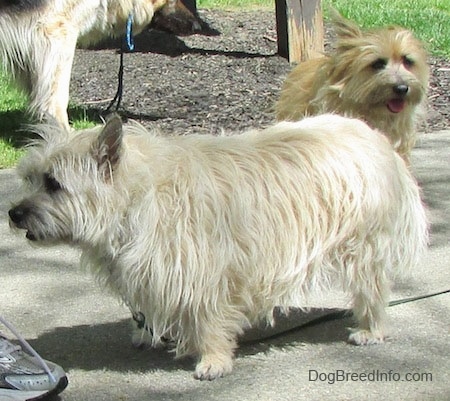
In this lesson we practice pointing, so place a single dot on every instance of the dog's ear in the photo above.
(107, 148)
(344, 28)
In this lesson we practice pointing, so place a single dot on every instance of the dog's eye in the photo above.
(379, 64)
(51, 185)
(408, 62)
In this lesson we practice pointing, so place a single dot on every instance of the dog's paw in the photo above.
(212, 367)
(365, 337)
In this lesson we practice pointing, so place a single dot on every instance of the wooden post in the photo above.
(299, 29)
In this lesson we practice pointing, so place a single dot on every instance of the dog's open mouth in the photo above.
(396, 105)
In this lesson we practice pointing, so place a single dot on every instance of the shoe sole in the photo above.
(18, 395)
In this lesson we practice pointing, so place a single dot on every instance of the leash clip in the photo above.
(129, 33)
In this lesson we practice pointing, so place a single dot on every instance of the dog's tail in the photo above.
(411, 228)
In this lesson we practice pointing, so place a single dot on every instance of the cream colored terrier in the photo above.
(205, 235)
(38, 40)
(379, 76)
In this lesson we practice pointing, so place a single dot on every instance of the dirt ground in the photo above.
(203, 83)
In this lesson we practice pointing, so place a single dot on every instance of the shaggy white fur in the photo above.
(206, 234)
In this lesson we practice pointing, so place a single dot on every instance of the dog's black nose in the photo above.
(17, 214)
(401, 89)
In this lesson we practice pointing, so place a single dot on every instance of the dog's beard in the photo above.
(41, 224)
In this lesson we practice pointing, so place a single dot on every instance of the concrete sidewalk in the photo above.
(71, 321)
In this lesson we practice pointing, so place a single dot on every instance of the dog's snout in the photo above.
(401, 89)
(17, 214)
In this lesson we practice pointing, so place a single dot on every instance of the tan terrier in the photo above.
(379, 75)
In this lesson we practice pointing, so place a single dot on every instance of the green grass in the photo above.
(429, 19)
(9, 154)
(13, 119)
(12, 104)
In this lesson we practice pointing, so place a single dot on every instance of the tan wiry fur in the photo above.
(206, 234)
(37, 43)
(350, 82)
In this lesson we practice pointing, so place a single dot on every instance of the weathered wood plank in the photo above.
(299, 29)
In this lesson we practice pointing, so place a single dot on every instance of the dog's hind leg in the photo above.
(370, 298)
(50, 77)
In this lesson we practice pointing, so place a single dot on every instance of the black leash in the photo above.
(419, 297)
(343, 313)
(127, 46)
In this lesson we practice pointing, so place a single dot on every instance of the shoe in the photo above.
(26, 376)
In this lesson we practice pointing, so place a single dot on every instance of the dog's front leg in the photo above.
(216, 354)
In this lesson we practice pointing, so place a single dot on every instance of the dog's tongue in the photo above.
(396, 105)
